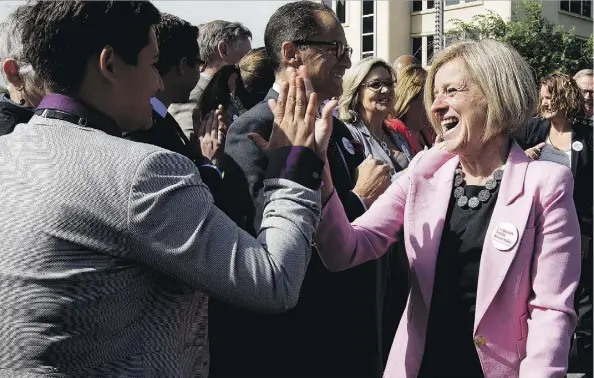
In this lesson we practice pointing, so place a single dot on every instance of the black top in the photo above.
(11, 114)
(537, 131)
(449, 347)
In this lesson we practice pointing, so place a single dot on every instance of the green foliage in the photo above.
(546, 47)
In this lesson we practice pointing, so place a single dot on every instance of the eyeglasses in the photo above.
(377, 85)
(201, 64)
(341, 50)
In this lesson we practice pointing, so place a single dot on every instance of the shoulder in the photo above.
(544, 178)
(258, 119)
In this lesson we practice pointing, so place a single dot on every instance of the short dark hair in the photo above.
(59, 37)
(299, 20)
(177, 39)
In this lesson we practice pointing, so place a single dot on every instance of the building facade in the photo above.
(390, 28)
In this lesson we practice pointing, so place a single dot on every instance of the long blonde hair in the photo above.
(350, 86)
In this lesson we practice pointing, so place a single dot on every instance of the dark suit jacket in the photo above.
(167, 134)
(305, 341)
(535, 132)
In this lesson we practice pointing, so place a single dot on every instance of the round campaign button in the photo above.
(505, 236)
(577, 146)
(348, 145)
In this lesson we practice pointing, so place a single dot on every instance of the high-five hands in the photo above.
(295, 114)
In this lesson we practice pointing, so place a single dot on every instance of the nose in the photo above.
(438, 104)
(346, 61)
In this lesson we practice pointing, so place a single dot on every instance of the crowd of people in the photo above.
(177, 203)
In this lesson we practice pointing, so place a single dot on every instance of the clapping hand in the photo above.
(211, 134)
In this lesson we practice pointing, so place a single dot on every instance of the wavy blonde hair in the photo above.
(566, 96)
(502, 76)
(352, 82)
(411, 81)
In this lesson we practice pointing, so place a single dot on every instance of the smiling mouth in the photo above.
(384, 101)
(449, 123)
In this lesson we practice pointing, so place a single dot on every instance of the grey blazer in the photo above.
(182, 112)
(109, 246)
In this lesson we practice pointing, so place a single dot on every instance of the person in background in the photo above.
(404, 61)
(333, 331)
(409, 118)
(585, 80)
(24, 88)
(492, 237)
(562, 135)
(252, 78)
(109, 246)
(221, 43)
(179, 68)
(365, 103)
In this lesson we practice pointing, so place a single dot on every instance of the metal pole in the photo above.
(438, 40)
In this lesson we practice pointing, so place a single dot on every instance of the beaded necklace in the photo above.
(484, 195)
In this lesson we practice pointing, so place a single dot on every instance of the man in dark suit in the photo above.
(334, 330)
(179, 68)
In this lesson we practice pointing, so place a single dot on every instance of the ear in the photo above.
(182, 66)
(290, 55)
(223, 50)
(11, 72)
(108, 63)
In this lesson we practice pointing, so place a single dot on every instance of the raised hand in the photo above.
(373, 178)
(294, 118)
(534, 152)
(323, 129)
(211, 134)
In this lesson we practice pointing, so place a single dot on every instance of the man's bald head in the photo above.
(404, 61)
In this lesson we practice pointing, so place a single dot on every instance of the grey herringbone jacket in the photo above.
(106, 246)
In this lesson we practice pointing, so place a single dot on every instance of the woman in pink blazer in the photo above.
(492, 237)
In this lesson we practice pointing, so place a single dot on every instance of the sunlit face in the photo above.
(376, 92)
(547, 109)
(324, 68)
(586, 84)
(135, 85)
(459, 108)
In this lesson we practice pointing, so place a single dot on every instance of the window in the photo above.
(452, 2)
(430, 4)
(429, 49)
(341, 11)
(417, 48)
(422, 48)
(418, 5)
(581, 7)
(368, 31)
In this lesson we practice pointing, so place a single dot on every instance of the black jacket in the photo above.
(334, 329)
(11, 114)
(537, 131)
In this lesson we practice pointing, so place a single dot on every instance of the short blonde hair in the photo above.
(352, 81)
(502, 76)
(411, 81)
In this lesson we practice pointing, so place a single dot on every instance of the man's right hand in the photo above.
(373, 178)
(534, 152)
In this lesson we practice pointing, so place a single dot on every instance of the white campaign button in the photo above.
(577, 146)
(505, 236)
(348, 145)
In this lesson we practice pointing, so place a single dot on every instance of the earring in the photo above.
(22, 102)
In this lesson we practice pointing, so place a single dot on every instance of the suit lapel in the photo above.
(513, 207)
(427, 206)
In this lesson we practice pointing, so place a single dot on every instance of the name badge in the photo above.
(348, 146)
(505, 236)
(577, 146)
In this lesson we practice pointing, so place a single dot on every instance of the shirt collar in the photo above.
(159, 107)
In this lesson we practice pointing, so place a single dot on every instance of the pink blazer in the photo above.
(524, 311)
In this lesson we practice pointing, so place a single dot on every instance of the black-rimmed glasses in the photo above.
(341, 50)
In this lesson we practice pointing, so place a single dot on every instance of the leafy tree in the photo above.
(546, 47)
